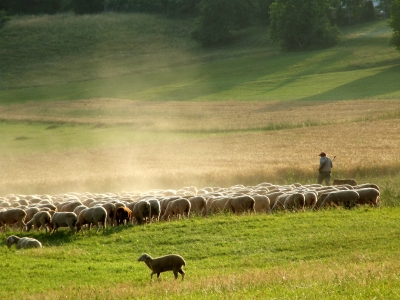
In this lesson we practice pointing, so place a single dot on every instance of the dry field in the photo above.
(214, 143)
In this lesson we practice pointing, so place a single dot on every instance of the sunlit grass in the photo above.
(335, 252)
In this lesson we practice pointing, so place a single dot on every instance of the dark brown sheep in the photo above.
(123, 215)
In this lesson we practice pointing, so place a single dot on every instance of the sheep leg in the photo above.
(182, 273)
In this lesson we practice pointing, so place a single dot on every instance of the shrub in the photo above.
(3, 18)
(395, 23)
(87, 6)
(219, 17)
(302, 24)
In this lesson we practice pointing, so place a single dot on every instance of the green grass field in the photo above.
(116, 102)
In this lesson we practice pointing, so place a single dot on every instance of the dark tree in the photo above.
(395, 23)
(302, 24)
(219, 17)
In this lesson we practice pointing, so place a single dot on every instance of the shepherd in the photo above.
(325, 166)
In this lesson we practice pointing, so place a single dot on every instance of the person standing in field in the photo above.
(325, 166)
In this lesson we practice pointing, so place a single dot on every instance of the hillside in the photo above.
(145, 57)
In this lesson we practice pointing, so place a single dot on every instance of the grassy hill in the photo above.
(144, 57)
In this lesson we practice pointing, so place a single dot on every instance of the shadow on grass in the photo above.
(382, 83)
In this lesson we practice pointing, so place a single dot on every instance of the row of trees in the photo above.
(294, 24)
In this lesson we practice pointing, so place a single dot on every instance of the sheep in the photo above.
(13, 216)
(240, 204)
(367, 185)
(77, 210)
(41, 218)
(217, 204)
(24, 242)
(294, 201)
(171, 262)
(280, 201)
(348, 198)
(164, 203)
(155, 209)
(110, 208)
(92, 216)
(273, 196)
(141, 210)
(310, 198)
(368, 196)
(63, 219)
(30, 212)
(69, 207)
(123, 214)
(262, 204)
(351, 182)
(178, 207)
(198, 205)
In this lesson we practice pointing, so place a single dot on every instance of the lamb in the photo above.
(92, 216)
(24, 242)
(240, 204)
(123, 215)
(178, 207)
(13, 216)
(171, 262)
(63, 219)
(41, 218)
(351, 182)
(217, 204)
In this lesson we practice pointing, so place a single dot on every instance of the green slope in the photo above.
(144, 57)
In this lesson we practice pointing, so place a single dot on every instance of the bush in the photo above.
(369, 11)
(219, 17)
(3, 18)
(87, 6)
(302, 24)
(32, 6)
(395, 23)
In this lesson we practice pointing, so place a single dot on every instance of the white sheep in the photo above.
(92, 216)
(41, 218)
(171, 262)
(24, 242)
(178, 207)
(13, 216)
(63, 219)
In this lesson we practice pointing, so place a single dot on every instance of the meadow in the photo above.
(128, 102)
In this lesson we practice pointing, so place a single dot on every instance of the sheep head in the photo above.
(145, 257)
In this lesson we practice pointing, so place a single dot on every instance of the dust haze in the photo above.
(113, 145)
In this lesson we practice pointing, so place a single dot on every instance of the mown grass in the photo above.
(329, 254)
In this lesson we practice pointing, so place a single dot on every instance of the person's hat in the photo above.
(322, 154)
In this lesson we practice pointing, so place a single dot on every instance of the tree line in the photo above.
(293, 24)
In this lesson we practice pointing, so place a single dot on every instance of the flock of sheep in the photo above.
(76, 210)
(83, 210)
